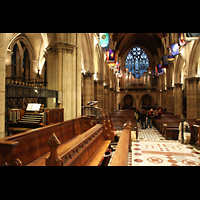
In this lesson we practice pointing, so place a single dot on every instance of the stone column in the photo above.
(112, 100)
(88, 89)
(193, 98)
(67, 72)
(2, 82)
(50, 77)
(100, 94)
(178, 99)
(163, 99)
(106, 99)
(170, 100)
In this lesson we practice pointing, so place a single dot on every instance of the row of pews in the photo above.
(77, 142)
(168, 126)
(120, 117)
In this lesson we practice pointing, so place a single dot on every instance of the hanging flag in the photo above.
(181, 40)
(104, 41)
(164, 61)
(111, 56)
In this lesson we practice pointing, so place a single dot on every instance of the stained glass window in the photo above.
(137, 62)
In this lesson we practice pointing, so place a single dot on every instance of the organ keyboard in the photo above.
(31, 119)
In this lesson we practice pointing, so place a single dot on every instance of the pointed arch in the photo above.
(178, 72)
(194, 60)
(87, 52)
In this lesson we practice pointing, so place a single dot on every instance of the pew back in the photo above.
(120, 157)
(33, 144)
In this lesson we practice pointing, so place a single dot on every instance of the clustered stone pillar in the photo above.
(170, 100)
(163, 98)
(178, 99)
(63, 74)
(112, 99)
(100, 94)
(193, 97)
(106, 99)
(88, 88)
(2, 83)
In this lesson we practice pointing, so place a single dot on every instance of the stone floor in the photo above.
(151, 149)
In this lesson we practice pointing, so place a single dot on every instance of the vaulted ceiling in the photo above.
(151, 41)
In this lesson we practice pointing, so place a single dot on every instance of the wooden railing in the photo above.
(120, 157)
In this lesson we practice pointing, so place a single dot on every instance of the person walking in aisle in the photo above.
(150, 118)
(143, 116)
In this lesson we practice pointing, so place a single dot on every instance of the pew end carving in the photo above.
(53, 159)
(8, 150)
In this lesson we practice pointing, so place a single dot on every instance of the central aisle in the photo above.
(152, 150)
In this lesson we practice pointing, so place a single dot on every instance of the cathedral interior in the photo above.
(66, 71)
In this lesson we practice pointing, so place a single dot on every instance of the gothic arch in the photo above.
(87, 52)
(194, 59)
(178, 72)
(152, 101)
(27, 45)
(127, 102)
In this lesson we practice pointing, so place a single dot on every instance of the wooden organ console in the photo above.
(35, 116)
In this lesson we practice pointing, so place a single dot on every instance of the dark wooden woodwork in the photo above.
(32, 144)
(53, 116)
(168, 126)
(120, 157)
(14, 115)
(78, 138)
(80, 150)
(20, 121)
(120, 117)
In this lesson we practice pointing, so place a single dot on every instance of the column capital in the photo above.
(178, 84)
(170, 88)
(60, 46)
(192, 79)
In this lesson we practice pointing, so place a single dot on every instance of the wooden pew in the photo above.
(85, 149)
(79, 138)
(168, 126)
(120, 117)
(30, 145)
(120, 157)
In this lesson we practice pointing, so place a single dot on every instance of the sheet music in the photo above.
(33, 107)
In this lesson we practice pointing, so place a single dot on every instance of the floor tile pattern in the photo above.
(151, 149)
(149, 134)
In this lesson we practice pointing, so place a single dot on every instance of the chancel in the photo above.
(99, 99)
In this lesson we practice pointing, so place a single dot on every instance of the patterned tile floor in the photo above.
(151, 149)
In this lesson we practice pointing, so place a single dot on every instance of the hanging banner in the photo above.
(111, 56)
(181, 40)
(164, 61)
(191, 36)
(104, 41)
